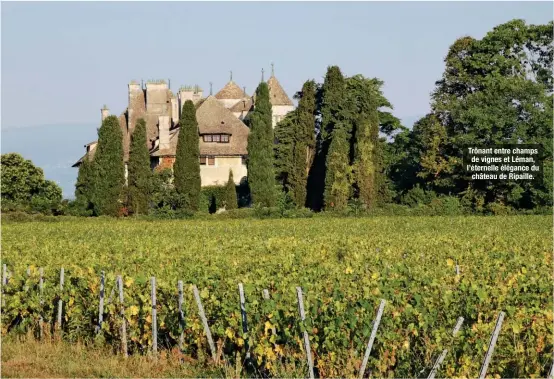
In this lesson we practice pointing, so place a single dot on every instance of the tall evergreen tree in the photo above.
(261, 177)
(187, 159)
(331, 107)
(304, 144)
(284, 148)
(83, 187)
(139, 173)
(230, 193)
(338, 179)
(365, 164)
(109, 169)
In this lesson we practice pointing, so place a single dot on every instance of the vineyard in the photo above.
(429, 270)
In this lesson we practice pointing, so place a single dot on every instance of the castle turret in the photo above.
(193, 93)
(230, 94)
(105, 112)
(281, 104)
(157, 102)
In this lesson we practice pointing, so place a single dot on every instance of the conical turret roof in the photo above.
(277, 95)
(230, 91)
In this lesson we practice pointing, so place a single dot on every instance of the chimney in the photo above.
(163, 129)
(105, 112)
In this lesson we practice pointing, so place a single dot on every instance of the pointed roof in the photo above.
(277, 95)
(230, 91)
(244, 104)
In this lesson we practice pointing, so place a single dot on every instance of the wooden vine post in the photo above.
(123, 320)
(204, 322)
(101, 304)
(305, 333)
(372, 338)
(181, 314)
(492, 344)
(154, 316)
(60, 302)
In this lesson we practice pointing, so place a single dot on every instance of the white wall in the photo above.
(280, 111)
(218, 174)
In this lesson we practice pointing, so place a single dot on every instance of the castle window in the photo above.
(216, 137)
(211, 160)
(203, 160)
(207, 138)
(225, 138)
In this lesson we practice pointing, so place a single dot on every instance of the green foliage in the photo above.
(139, 172)
(230, 193)
(343, 267)
(338, 178)
(261, 177)
(295, 145)
(21, 180)
(108, 176)
(24, 187)
(187, 159)
(84, 190)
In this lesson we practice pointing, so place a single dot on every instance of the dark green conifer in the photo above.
(139, 172)
(109, 169)
(261, 177)
(187, 159)
(230, 193)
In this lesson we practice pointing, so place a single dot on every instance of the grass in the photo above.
(28, 358)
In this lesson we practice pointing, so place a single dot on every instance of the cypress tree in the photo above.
(284, 148)
(109, 169)
(139, 179)
(261, 177)
(304, 144)
(339, 172)
(366, 166)
(330, 108)
(187, 159)
(84, 185)
(230, 193)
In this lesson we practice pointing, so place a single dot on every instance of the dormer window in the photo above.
(217, 138)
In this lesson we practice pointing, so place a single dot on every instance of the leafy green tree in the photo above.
(187, 159)
(230, 193)
(261, 177)
(108, 169)
(496, 90)
(21, 179)
(139, 172)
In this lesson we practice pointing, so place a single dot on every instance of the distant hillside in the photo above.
(54, 148)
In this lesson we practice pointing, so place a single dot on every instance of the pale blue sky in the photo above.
(62, 61)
